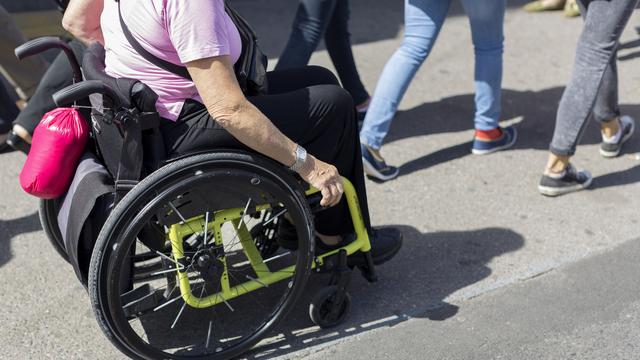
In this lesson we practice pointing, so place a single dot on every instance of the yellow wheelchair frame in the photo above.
(264, 277)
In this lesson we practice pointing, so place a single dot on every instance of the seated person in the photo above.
(304, 107)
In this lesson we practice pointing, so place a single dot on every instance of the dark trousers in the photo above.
(58, 76)
(593, 88)
(314, 20)
(8, 110)
(308, 106)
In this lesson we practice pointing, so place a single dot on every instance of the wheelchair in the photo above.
(191, 261)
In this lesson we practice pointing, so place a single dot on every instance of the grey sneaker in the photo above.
(569, 180)
(611, 148)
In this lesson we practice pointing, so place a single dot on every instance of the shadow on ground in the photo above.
(10, 229)
(629, 50)
(535, 111)
(430, 267)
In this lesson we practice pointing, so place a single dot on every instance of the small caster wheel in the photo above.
(325, 312)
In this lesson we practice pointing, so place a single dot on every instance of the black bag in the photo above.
(250, 69)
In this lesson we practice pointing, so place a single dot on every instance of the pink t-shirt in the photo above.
(177, 31)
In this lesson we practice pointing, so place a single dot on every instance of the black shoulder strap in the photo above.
(163, 64)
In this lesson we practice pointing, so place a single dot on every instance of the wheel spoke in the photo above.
(178, 316)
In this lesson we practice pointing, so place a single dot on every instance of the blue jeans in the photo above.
(314, 20)
(423, 21)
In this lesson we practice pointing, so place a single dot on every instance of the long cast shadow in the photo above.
(415, 284)
(618, 178)
(429, 268)
(535, 109)
(10, 229)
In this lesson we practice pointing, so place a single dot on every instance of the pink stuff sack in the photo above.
(58, 142)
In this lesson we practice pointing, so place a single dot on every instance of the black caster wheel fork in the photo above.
(368, 270)
(340, 278)
(331, 305)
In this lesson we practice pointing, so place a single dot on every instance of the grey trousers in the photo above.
(23, 75)
(593, 87)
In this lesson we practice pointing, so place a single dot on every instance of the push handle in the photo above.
(82, 90)
(36, 46)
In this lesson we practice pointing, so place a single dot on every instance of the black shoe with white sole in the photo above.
(569, 180)
(611, 148)
(375, 166)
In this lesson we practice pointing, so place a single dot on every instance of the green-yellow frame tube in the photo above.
(265, 276)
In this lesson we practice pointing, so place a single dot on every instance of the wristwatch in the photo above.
(301, 158)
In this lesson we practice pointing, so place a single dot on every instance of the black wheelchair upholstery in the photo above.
(126, 127)
(132, 93)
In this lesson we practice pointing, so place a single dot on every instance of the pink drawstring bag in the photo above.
(58, 142)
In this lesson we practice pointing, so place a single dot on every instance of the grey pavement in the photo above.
(490, 269)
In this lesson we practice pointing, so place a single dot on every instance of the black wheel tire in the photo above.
(319, 309)
(47, 212)
(118, 221)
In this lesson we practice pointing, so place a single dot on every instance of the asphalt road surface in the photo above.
(489, 270)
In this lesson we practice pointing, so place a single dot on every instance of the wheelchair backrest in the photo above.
(127, 123)
(132, 93)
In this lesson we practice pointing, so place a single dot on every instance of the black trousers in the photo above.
(8, 110)
(314, 20)
(309, 107)
(58, 76)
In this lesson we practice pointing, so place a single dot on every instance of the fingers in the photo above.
(332, 193)
(326, 196)
(325, 177)
(340, 186)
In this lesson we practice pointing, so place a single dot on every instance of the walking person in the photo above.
(22, 75)
(314, 20)
(58, 76)
(593, 89)
(25, 75)
(8, 111)
(423, 21)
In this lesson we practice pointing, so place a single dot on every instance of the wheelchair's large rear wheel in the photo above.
(48, 214)
(176, 273)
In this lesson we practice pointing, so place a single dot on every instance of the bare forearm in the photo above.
(82, 20)
(221, 94)
(256, 131)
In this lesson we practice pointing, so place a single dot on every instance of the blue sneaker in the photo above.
(507, 140)
(375, 166)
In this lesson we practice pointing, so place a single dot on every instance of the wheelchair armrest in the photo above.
(83, 89)
(36, 46)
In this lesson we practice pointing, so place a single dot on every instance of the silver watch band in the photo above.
(301, 158)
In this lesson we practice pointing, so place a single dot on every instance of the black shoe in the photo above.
(569, 181)
(385, 244)
(612, 149)
(18, 143)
